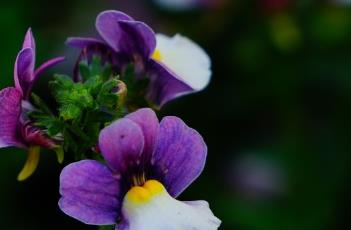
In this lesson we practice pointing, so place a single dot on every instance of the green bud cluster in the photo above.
(83, 107)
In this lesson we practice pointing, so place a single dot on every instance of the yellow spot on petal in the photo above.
(31, 163)
(138, 194)
(143, 194)
(154, 187)
(157, 55)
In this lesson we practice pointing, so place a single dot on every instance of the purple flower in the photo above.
(175, 66)
(16, 129)
(149, 164)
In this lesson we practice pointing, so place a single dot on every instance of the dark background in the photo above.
(276, 116)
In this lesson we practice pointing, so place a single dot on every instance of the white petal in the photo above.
(160, 211)
(186, 59)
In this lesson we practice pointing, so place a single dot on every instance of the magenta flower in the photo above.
(149, 164)
(175, 66)
(15, 128)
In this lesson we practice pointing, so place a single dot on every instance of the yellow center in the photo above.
(143, 194)
(157, 55)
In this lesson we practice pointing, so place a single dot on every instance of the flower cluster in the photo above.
(129, 167)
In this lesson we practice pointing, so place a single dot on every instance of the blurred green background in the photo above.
(276, 116)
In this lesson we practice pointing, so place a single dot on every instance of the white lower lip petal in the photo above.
(156, 209)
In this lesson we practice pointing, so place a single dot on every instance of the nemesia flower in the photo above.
(175, 66)
(148, 165)
(16, 129)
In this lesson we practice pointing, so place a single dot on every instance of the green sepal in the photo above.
(96, 67)
(84, 70)
(60, 154)
(40, 104)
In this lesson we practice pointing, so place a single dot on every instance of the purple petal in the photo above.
(125, 35)
(148, 122)
(179, 156)
(138, 38)
(83, 42)
(48, 64)
(29, 41)
(10, 110)
(122, 226)
(164, 85)
(122, 144)
(24, 71)
(108, 27)
(90, 193)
